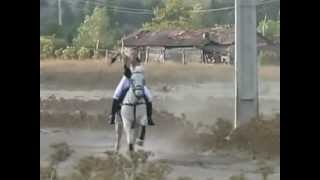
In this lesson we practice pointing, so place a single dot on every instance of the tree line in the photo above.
(90, 24)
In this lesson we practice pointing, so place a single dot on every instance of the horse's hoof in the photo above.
(139, 142)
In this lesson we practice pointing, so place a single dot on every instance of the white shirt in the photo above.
(125, 84)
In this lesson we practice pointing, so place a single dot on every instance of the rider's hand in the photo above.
(127, 72)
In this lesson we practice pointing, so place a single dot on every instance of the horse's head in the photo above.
(137, 81)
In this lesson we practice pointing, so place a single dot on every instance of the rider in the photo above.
(130, 64)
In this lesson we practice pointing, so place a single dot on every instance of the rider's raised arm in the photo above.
(124, 83)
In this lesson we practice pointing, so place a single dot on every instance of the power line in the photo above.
(120, 9)
(213, 10)
(232, 7)
(99, 3)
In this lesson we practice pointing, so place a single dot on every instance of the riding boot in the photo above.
(115, 108)
(149, 113)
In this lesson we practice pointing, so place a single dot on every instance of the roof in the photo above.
(178, 38)
(222, 36)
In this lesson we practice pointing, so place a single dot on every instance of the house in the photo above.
(215, 44)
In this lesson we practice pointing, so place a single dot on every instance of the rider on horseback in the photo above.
(130, 64)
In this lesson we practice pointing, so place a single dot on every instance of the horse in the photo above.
(132, 115)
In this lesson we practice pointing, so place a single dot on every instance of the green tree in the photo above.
(219, 17)
(197, 18)
(94, 28)
(89, 7)
(269, 28)
(172, 16)
(68, 21)
(151, 3)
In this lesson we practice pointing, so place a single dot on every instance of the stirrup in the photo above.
(150, 123)
(140, 142)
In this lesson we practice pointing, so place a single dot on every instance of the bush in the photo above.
(69, 53)
(120, 167)
(59, 43)
(49, 45)
(259, 136)
(238, 177)
(98, 54)
(62, 153)
(83, 53)
(266, 57)
(48, 173)
(46, 46)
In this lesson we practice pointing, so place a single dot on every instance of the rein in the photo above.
(133, 104)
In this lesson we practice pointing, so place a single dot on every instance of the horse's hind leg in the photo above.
(131, 147)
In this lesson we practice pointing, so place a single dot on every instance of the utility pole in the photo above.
(59, 12)
(246, 73)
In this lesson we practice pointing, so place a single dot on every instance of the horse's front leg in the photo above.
(118, 128)
(129, 133)
(141, 138)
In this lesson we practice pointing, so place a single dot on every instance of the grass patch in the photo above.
(133, 166)
(95, 74)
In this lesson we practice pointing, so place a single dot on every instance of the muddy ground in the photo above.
(74, 102)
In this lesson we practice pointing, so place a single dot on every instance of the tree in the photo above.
(172, 16)
(94, 28)
(68, 21)
(269, 28)
(151, 3)
(197, 18)
(219, 17)
(89, 7)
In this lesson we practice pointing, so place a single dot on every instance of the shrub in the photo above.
(62, 152)
(46, 46)
(98, 54)
(59, 43)
(238, 177)
(120, 167)
(83, 53)
(266, 57)
(69, 53)
(49, 45)
(48, 173)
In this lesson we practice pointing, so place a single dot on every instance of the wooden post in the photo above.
(121, 51)
(107, 55)
(147, 55)
(97, 44)
(183, 57)
(203, 57)
(163, 55)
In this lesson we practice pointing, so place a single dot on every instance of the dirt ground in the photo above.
(195, 92)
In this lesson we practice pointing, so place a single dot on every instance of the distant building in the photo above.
(216, 44)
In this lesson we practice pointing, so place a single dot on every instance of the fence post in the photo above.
(147, 55)
(183, 56)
